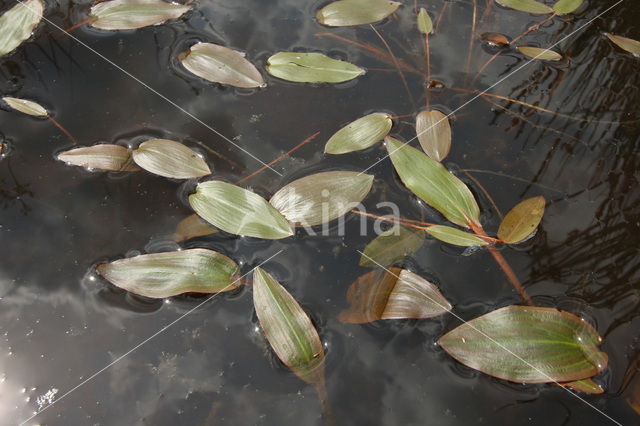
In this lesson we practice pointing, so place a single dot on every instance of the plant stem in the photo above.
(63, 129)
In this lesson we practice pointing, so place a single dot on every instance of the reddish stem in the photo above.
(86, 21)
(63, 129)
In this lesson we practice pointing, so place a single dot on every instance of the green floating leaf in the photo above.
(321, 197)
(455, 236)
(17, 24)
(170, 159)
(392, 245)
(220, 64)
(529, 6)
(26, 107)
(522, 220)
(167, 274)
(238, 211)
(564, 7)
(132, 14)
(102, 157)
(586, 386)
(360, 134)
(538, 53)
(311, 68)
(430, 181)
(392, 294)
(288, 328)
(191, 227)
(345, 13)
(425, 25)
(630, 45)
(526, 344)
(434, 134)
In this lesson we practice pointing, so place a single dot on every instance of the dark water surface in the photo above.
(61, 323)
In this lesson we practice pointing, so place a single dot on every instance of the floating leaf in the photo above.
(392, 294)
(563, 7)
(132, 14)
(321, 197)
(238, 211)
(455, 236)
(359, 134)
(526, 344)
(26, 107)
(425, 25)
(170, 159)
(311, 68)
(529, 6)
(344, 13)
(391, 246)
(496, 39)
(522, 220)
(434, 134)
(102, 157)
(167, 274)
(191, 227)
(430, 181)
(17, 24)
(288, 328)
(630, 45)
(538, 53)
(220, 64)
(586, 386)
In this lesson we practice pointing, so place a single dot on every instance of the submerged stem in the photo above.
(65, 131)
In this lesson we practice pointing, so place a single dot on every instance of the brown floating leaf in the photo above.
(170, 159)
(103, 157)
(434, 134)
(586, 386)
(496, 39)
(191, 227)
(391, 246)
(355, 12)
(522, 220)
(630, 45)
(538, 53)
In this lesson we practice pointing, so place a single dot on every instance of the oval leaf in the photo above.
(360, 134)
(355, 12)
(17, 24)
(311, 68)
(434, 134)
(132, 14)
(220, 64)
(392, 245)
(425, 25)
(522, 220)
(321, 197)
(526, 344)
(455, 236)
(161, 275)
(538, 53)
(529, 6)
(238, 211)
(170, 159)
(26, 107)
(191, 227)
(288, 328)
(102, 157)
(496, 39)
(430, 181)
(630, 45)
(563, 7)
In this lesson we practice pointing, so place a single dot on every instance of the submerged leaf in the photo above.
(391, 246)
(455, 236)
(102, 157)
(168, 274)
(425, 25)
(522, 220)
(527, 344)
(539, 53)
(355, 12)
(359, 134)
(321, 197)
(430, 181)
(630, 45)
(26, 107)
(132, 14)
(288, 328)
(586, 386)
(170, 159)
(392, 294)
(220, 64)
(563, 7)
(238, 211)
(529, 6)
(191, 227)
(434, 134)
(17, 24)
(311, 68)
